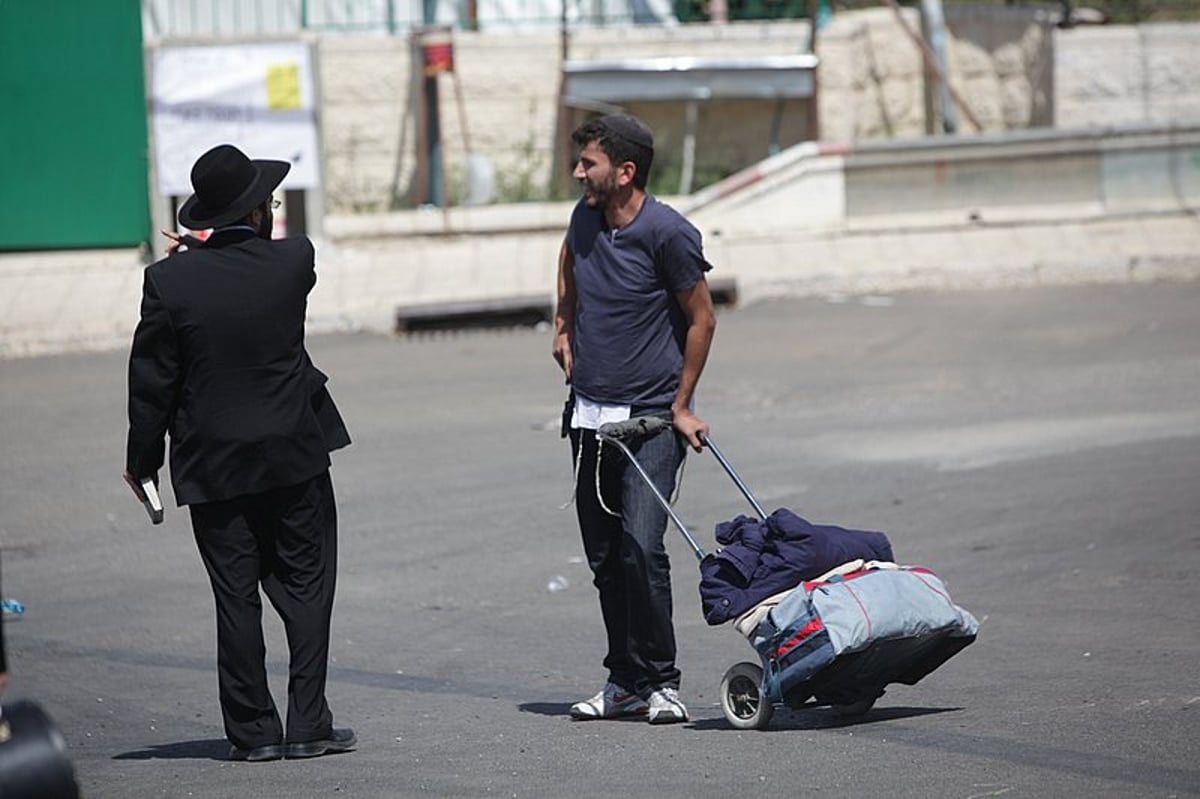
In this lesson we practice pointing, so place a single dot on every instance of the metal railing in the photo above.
(1113, 11)
(217, 18)
(162, 19)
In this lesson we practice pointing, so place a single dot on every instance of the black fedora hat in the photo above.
(228, 186)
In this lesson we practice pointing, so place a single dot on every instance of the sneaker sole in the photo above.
(669, 718)
(673, 713)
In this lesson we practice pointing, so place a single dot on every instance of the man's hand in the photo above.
(135, 485)
(562, 354)
(178, 240)
(691, 426)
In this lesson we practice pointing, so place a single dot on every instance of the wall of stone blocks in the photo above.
(873, 75)
(502, 102)
(1125, 74)
(1010, 67)
(364, 90)
(1002, 61)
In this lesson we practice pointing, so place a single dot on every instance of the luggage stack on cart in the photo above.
(833, 618)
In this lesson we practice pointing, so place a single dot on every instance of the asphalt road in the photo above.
(1037, 448)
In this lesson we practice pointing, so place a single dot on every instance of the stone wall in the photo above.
(1002, 61)
(508, 84)
(1011, 68)
(870, 77)
(1126, 74)
(366, 130)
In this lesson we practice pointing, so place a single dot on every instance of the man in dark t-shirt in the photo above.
(633, 327)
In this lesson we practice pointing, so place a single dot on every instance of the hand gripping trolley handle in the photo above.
(643, 426)
(742, 699)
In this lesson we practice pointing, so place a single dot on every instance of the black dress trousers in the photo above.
(286, 540)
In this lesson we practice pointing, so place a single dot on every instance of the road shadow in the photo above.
(815, 718)
(824, 718)
(202, 749)
(546, 708)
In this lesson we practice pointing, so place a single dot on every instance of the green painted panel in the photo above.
(72, 125)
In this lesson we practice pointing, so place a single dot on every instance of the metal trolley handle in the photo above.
(619, 433)
(708, 442)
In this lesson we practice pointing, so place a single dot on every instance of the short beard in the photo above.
(602, 195)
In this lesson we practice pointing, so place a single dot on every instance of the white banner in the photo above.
(259, 97)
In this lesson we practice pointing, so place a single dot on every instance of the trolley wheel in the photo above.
(742, 700)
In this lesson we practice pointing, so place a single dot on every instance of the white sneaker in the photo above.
(612, 702)
(665, 707)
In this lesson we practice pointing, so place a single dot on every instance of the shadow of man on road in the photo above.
(201, 749)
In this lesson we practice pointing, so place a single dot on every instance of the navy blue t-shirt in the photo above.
(629, 329)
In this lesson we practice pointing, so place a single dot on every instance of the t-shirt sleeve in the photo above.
(681, 258)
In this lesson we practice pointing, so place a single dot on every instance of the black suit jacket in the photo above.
(218, 362)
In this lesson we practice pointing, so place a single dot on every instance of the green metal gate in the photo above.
(73, 146)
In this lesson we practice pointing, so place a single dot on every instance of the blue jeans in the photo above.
(629, 562)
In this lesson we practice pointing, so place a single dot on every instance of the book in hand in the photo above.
(152, 503)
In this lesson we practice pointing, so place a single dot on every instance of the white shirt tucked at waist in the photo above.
(589, 414)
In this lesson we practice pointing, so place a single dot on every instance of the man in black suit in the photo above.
(218, 362)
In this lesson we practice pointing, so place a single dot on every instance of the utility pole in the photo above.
(435, 187)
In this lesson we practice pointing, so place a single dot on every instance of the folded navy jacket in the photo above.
(759, 559)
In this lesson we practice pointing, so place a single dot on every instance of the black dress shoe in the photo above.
(258, 754)
(338, 741)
